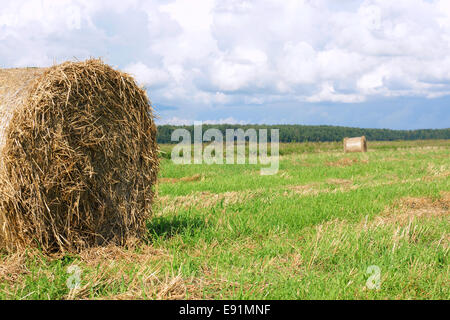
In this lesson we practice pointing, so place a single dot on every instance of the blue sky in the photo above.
(371, 63)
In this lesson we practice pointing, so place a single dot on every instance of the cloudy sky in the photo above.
(365, 63)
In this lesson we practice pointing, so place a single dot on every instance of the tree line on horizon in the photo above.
(322, 133)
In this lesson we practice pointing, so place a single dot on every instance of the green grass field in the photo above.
(313, 231)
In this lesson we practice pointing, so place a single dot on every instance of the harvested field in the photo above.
(345, 162)
(310, 232)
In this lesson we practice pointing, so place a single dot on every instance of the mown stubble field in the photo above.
(321, 228)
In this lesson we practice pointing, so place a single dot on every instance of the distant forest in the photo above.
(301, 133)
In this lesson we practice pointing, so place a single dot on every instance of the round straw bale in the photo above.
(358, 144)
(78, 157)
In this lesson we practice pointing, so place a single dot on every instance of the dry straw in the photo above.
(78, 157)
(358, 144)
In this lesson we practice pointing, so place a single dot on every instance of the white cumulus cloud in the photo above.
(207, 52)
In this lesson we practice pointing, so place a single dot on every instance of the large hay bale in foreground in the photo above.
(78, 157)
(358, 144)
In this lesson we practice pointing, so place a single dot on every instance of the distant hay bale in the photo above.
(358, 144)
(78, 157)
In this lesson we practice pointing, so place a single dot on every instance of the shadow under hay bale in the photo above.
(78, 157)
(358, 144)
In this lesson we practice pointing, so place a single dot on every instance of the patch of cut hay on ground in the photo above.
(340, 182)
(342, 185)
(345, 162)
(402, 212)
(303, 190)
(14, 265)
(197, 177)
(284, 174)
(313, 189)
(106, 255)
(410, 208)
(202, 200)
(437, 171)
(144, 283)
